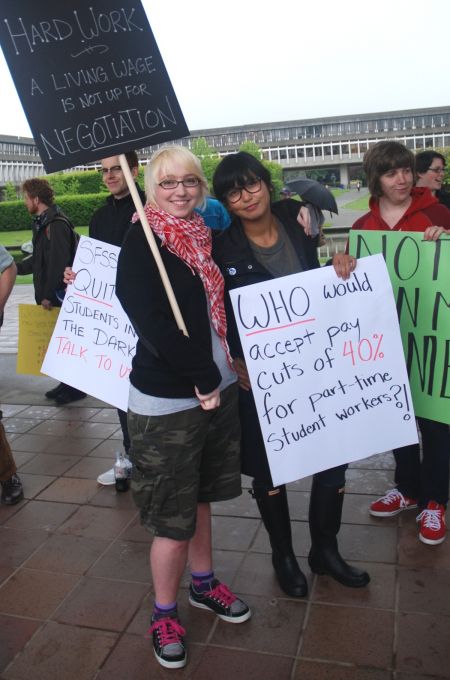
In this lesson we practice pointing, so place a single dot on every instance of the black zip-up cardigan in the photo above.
(166, 364)
(111, 222)
(233, 254)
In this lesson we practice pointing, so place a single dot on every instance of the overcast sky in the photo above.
(244, 61)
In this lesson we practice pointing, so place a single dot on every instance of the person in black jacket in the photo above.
(54, 246)
(182, 411)
(110, 224)
(265, 241)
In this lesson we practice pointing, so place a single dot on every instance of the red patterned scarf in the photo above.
(191, 241)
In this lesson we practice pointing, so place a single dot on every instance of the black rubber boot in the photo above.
(274, 509)
(325, 512)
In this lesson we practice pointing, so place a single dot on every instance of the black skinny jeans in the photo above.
(425, 479)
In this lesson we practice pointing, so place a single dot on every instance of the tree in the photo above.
(252, 148)
(446, 154)
(207, 156)
(10, 192)
(275, 169)
(62, 183)
(276, 173)
(57, 183)
(72, 185)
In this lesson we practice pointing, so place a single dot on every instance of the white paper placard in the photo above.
(327, 368)
(94, 342)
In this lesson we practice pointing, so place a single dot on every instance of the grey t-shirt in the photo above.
(147, 405)
(279, 259)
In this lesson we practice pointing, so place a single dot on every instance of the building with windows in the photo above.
(333, 147)
(328, 148)
(20, 160)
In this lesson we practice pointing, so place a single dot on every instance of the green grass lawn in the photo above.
(335, 192)
(26, 278)
(360, 204)
(16, 238)
(338, 192)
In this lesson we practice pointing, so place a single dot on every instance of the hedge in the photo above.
(14, 215)
(86, 182)
(81, 182)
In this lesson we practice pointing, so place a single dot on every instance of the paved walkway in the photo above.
(75, 586)
(346, 217)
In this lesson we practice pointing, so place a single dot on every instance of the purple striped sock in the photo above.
(201, 580)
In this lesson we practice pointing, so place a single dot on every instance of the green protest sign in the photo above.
(420, 275)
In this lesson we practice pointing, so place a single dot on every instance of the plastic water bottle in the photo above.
(122, 472)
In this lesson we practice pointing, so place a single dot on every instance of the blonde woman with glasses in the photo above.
(182, 414)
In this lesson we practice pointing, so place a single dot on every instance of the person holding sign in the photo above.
(397, 205)
(54, 245)
(110, 224)
(182, 418)
(265, 242)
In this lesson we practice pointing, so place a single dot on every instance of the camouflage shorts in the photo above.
(182, 459)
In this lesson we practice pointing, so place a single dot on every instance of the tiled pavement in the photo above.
(75, 587)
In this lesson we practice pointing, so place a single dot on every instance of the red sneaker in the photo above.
(432, 529)
(391, 504)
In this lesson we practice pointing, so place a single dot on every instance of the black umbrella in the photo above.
(315, 193)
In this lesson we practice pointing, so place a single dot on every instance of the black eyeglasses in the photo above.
(188, 182)
(438, 171)
(252, 186)
(113, 170)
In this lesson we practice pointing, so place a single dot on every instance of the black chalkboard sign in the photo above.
(90, 77)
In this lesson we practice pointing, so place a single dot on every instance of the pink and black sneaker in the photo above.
(168, 642)
(220, 600)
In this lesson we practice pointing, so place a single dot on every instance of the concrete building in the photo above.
(333, 147)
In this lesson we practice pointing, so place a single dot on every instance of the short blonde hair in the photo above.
(159, 165)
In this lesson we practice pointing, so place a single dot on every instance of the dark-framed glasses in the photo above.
(437, 170)
(188, 182)
(252, 186)
(113, 170)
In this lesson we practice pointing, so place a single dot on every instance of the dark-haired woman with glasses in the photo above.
(182, 412)
(430, 171)
(263, 242)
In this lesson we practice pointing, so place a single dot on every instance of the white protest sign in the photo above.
(93, 343)
(327, 369)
